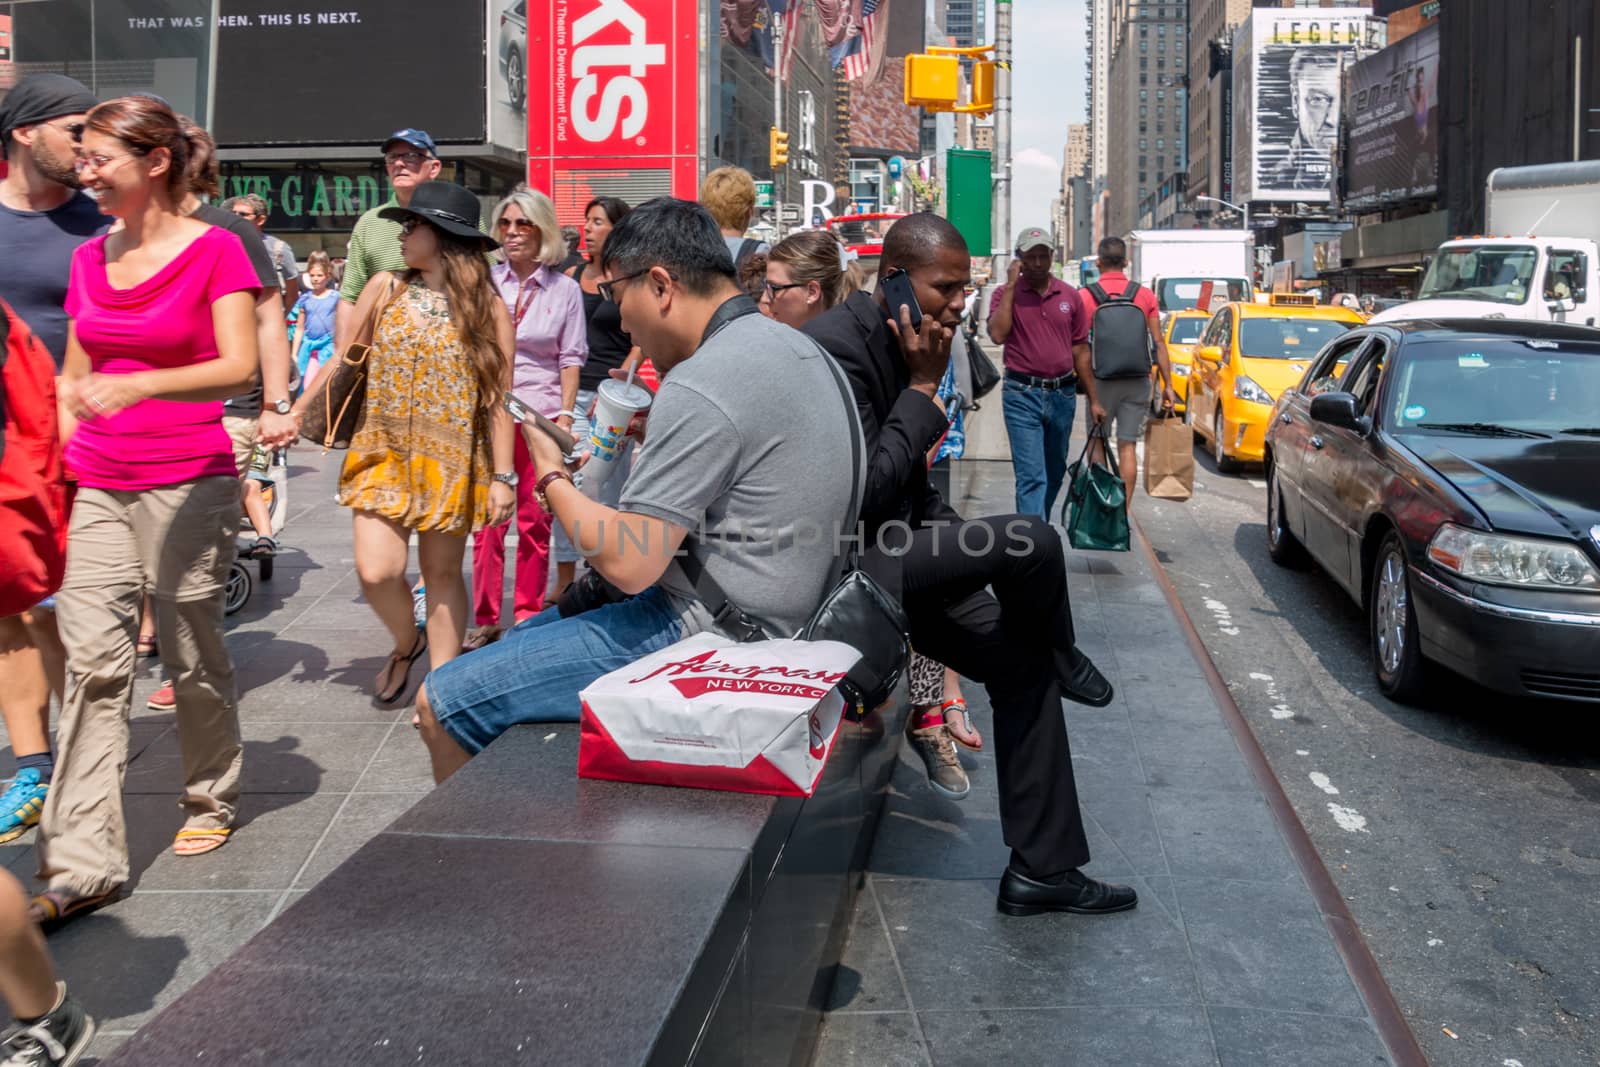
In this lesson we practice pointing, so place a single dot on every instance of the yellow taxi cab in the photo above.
(1247, 356)
(1183, 329)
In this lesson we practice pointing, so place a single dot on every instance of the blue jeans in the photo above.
(535, 672)
(1039, 426)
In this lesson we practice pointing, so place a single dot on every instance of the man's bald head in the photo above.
(916, 241)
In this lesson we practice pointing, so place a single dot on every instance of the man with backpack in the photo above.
(1125, 329)
(1039, 319)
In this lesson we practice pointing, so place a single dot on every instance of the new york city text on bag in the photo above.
(1119, 339)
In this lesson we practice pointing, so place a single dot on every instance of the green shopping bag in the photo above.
(1096, 508)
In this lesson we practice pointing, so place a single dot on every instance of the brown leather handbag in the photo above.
(339, 392)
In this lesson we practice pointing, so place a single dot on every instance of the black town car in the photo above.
(1447, 475)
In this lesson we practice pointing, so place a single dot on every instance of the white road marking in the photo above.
(1301, 752)
(1224, 617)
(1258, 676)
(1256, 483)
(1282, 711)
(1322, 782)
(1349, 819)
(1434, 942)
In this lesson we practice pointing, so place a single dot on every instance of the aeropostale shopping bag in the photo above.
(710, 713)
(1168, 458)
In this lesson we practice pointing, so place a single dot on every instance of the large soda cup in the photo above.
(615, 405)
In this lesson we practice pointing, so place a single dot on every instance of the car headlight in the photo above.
(1180, 370)
(1521, 561)
(1246, 389)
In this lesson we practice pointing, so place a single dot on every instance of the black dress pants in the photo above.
(1006, 639)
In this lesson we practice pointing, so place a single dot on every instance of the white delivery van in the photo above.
(1192, 268)
(1536, 260)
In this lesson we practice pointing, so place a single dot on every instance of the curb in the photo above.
(1390, 1022)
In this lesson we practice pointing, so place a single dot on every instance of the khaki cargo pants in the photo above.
(181, 537)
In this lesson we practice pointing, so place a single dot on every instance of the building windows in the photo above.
(1143, 144)
(1144, 111)
(1161, 142)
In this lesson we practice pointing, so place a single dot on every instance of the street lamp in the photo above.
(1244, 212)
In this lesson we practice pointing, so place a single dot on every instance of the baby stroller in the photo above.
(271, 470)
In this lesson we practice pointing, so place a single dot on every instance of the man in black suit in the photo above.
(1018, 640)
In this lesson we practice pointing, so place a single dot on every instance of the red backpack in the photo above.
(33, 494)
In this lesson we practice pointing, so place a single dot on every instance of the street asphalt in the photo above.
(1465, 833)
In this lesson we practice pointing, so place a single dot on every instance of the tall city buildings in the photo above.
(1211, 26)
(1146, 138)
(1098, 78)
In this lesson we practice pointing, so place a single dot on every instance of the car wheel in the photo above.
(1226, 464)
(1282, 545)
(516, 83)
(1396, 653)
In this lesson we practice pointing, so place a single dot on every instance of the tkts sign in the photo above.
(622, 77)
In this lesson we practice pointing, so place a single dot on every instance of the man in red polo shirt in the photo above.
(1126, 401)
(1040, 321)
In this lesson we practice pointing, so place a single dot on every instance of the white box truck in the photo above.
(1177, 264)
(1537, 259)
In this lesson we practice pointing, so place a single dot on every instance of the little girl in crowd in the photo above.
(313, 318)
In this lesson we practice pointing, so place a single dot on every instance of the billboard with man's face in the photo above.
(1288, 71)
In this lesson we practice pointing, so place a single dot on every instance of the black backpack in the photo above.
(1119, 338)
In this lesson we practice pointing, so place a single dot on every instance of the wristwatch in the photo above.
(282, 407)
(507, 479)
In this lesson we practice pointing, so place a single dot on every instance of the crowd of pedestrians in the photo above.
(161, 326)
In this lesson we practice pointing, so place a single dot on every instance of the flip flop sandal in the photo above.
(56, 906)
(404, 662)
(217, 837)
(959, 707)
(479, 636)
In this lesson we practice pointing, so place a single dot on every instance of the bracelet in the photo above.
(539, 488)
(568, 413)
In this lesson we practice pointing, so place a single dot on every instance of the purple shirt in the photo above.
(1043, 328)
(547, 311)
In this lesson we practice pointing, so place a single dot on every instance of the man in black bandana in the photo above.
(44, 217)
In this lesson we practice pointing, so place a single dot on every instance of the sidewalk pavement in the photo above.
(1227, 959)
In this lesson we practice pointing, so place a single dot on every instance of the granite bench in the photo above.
(517, 914)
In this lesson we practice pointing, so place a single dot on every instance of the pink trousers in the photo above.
(533, 554)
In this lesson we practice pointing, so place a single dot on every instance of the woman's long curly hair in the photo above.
(473, 299)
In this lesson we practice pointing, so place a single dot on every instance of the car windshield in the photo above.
(1207, 294)
(854, 231)
(1187, 331)
(1488, 386)
(1290, 337)
(1498, 274)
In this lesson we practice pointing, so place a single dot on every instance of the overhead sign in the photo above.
(354, 53)
(1288, 69)
(1393, 124)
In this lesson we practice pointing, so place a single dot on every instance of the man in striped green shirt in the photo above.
(410, 158)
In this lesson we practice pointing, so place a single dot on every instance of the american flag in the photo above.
(789, 11)
(858, 63)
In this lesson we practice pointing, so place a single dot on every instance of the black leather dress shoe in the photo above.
(1076, 893)
(1081, 680)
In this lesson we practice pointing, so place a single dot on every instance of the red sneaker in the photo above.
(163, 699)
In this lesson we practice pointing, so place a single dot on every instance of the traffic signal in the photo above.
(777, 148)
(932, 81)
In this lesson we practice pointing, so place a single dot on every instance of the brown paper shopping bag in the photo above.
(1168, 458)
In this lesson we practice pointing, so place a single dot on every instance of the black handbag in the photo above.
(985, 375)
(858, 611)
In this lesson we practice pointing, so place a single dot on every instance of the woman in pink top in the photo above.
(552, 342)
(162, 328)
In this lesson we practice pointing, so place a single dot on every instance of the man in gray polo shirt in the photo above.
(748, 449)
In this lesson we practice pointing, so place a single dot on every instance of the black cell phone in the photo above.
(897, 292)
(524, 414)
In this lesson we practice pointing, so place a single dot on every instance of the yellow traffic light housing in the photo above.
(933, 82)
(777, 148)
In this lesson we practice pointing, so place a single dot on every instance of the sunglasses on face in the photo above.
(410, 224)
(522, 225)
(97, 163)
(73, 130)
(409, 159)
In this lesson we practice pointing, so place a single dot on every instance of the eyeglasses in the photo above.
(73, 130)
(97, 163)
(245, 214)
(410, 159)
(525, 225)
(772, 291)
(409, 224)
(607, 289)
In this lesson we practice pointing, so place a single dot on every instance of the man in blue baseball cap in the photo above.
(410, 158)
